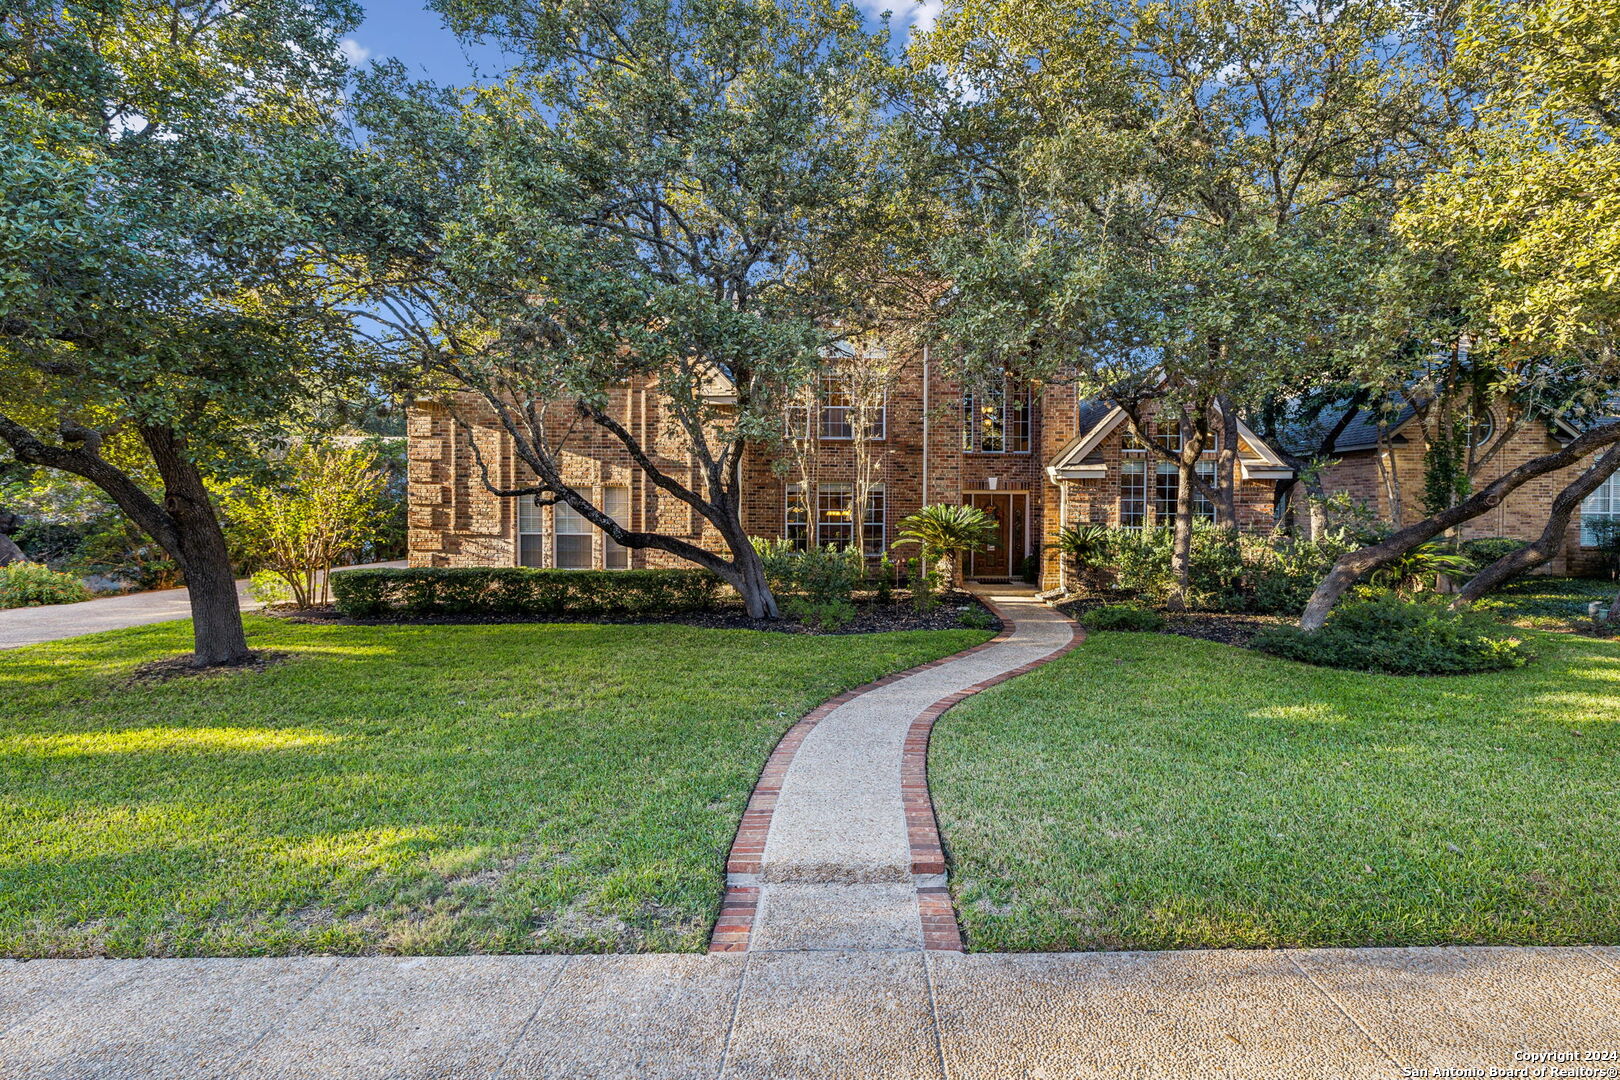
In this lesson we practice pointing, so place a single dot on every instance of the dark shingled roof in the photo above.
(1092, 414)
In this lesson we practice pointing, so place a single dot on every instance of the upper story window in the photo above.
(837, 413)
(996, 419)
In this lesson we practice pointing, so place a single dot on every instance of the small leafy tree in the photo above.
(329, 505)
(944, 531)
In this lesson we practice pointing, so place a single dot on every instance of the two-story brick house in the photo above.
(1035, 458)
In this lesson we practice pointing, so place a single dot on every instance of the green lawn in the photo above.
(516, 788)
(1157, 792)
(1550, 603)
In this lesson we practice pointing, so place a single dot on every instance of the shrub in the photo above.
(268, 587)
(513, 590)
(975, 618)
(1418, 567)
(328, 505)
(823, 573)
(1264, 575)
(826, 615)
(1122, 617)
(1487, 549)
(31, 584)
(1401, 637)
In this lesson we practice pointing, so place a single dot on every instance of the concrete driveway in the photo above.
(33, 625)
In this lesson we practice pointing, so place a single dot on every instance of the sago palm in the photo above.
(942, 530)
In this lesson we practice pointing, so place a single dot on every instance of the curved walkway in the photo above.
(838, 848)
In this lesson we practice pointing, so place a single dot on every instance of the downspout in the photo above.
(928, 447)
(1063, 523)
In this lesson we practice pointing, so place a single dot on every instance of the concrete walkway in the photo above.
(839, 1015)
(850, 838)
(33, 625)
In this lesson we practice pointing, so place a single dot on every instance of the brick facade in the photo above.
(1521, 516)
(455, 521)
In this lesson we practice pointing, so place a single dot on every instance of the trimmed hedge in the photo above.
(1126, 617)
(1401, 637)
(521, 590)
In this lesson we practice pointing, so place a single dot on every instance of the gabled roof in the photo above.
(1080, 460)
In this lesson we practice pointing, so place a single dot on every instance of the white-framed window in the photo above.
(1132, 494)
(874, 521)
(570, 538)
(531, 544)
(838, 412)
(796, 516)
(616, 505)
(1603, 505)
(835, 514)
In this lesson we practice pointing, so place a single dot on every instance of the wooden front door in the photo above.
(1008, 509)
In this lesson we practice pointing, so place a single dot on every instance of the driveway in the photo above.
(32, 625)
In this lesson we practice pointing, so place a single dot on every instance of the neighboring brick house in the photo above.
(1035, 458)
(1369, 469)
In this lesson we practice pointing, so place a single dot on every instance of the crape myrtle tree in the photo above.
(656, 194)
(1179, 206)
(154, 311)
(1527, 205)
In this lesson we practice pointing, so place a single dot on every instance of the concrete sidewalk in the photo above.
(33, 625)
(905, 1015)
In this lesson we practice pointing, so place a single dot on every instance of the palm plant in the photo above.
(943, 531)
(1408, 573)
(1084, 545)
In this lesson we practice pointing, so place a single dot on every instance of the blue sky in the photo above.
(407, 31)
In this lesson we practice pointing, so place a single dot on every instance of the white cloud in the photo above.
(923, 15)
(354, 52)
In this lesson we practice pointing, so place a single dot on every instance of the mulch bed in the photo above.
(1206, 625)
(870, 618)
(181, 667)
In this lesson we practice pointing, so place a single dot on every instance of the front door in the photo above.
(1007, 508)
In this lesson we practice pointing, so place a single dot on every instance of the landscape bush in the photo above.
(514, 590)
(1232, 573)
(824, 615)
(821, 573)
(31, 584)
(1126, 617)
(1482, 552)
(1401, 637)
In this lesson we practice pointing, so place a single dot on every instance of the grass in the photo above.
(1156, 792)
(520, 788)
(1550, 603)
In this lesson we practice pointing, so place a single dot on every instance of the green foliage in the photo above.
(975, 618)
(269, 588)
(829, 615)
(1419, 567)
(945, 530)
(1122, 617)
(1401, 637)
(1269, 575)
(30, 584)
(820, 573)
(511, 590)
(326, 507)
(1445, 467)
(1483, 551)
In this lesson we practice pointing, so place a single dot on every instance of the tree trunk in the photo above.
(747, 575)
(1352, 565)
(1181, 548)
(1226, 466)
(185, 525)
(1551, 539)
(9, 551)
(216, 617)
